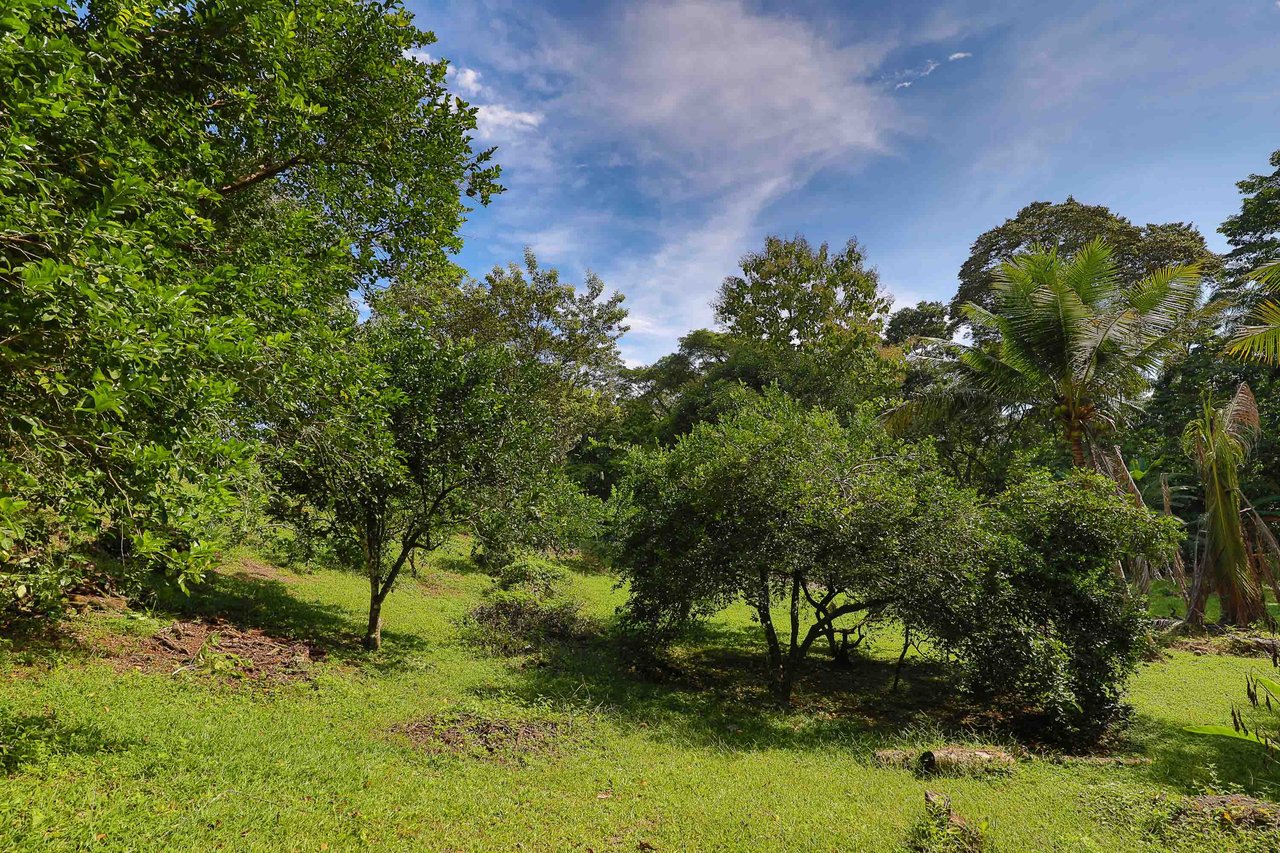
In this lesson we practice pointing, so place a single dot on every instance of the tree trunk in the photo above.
(1077, 446)
(373, 634)
(777, 664)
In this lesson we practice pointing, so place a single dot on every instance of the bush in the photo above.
(1050, 630)
(517, 621)
(536, 575)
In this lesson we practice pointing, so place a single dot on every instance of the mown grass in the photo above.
(99, 759)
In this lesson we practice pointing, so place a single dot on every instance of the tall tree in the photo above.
(1254, 232)
(792, 294)
(923, 320)
(1068, 227)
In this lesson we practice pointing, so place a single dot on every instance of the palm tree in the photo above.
(1261, 339)
(1235, 555)
(1072, 342)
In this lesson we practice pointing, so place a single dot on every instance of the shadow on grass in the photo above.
(30, 740)
(1191, 763)
(715, 695)
(250, 601)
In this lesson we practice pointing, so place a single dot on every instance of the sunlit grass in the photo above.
(106, 760)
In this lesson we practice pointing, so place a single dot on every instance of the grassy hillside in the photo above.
(435, 744)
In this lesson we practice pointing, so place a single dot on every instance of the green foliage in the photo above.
(1259, 337)
(1055, 632)
(535, 574)
(1067, 228)
(777, 503)
(173, 174)
(924, 320)
(1254, 232)
(1218, 442)
(1074, 344)
(941, 830)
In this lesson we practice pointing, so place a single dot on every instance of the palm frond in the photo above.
(1261, 338)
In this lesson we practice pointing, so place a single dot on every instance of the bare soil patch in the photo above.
(485, 737)
(214, 647)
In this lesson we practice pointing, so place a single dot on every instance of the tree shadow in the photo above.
(715, 694)
(251, 601)
(1189, 763)
(30, 740)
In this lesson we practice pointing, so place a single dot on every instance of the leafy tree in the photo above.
(1254, 232)
(791, 294)
(1068, 227)
(924, 320)
(1054, 633)
(778, 506)
(392, 464)
(174, 171)
(1073, 343)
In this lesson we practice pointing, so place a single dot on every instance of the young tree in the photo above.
(1238, 547)
(390, 464)
(782, 508)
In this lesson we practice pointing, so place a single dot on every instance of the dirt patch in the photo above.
(485, 737)
(257, 569)
(215, 648)
(1233, 810)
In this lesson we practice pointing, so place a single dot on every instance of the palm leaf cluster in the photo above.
(1260, 337)
(1073, 340)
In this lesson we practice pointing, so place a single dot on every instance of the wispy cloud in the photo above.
(496, 121)
(958, 55)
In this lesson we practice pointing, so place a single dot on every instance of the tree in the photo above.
(1073, 343)
(779, 505)
(1237, 546)
(1053, 633)
(1254, 232)
(175, 173)
(791, 294)
(925, 320)
(389, 465)
(1068, 227)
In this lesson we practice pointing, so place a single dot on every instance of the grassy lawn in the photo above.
(103, 759)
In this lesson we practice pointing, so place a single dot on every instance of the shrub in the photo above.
(516, 621)
(536, 575)
(1051, 631)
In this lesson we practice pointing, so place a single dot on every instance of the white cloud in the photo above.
(468, 81)
(417, 54)
(903, 85)
(723, 110)
(495, 121)
(964, 55)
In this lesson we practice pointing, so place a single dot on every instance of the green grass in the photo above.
(103, 760)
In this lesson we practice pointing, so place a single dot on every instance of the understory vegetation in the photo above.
(310, 540)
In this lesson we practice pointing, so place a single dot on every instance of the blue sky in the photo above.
(655, 142)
